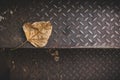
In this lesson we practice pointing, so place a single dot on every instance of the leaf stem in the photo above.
(20, 45)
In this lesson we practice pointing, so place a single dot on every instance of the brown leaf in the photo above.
(38, 33)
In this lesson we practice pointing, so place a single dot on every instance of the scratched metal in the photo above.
(74, 64)
(77, 24)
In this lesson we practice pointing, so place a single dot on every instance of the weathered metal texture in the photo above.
(77, 24)
(74, 64)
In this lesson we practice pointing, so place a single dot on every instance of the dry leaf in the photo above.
(38, 33)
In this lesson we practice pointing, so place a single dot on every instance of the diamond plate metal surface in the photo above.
(74, 64)
(78, 24)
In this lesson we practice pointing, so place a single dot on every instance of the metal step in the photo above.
(76, 24)
(74, 64)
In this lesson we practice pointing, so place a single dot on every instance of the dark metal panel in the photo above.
(78, 23)
(74, 64)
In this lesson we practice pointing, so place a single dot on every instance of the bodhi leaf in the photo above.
(38, 33)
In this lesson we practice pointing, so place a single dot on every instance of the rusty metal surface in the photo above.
(74, 64)
(78, 24)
